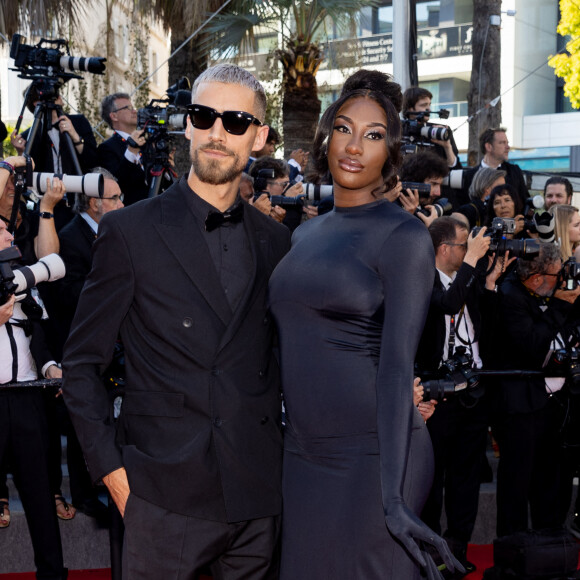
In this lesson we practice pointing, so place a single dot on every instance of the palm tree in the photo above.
(302, 26)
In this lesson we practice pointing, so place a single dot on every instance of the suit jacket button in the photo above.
(187, 322)
(266, 320)
(264, 420)
(217, 422)
(261, 374)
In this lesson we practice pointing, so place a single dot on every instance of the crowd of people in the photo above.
(182, 317)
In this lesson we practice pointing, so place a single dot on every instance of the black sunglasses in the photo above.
(234, 122)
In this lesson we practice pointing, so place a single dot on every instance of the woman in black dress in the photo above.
(350, 300)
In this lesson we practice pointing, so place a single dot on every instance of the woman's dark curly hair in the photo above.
(505, 189)
(393, 137)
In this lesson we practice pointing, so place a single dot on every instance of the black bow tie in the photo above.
(216, 219)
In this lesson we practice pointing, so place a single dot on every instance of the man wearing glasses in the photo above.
(121, 153)
(458, 428)
(194, 461)
(532, 311)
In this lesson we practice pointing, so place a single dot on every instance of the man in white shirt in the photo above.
(458, 428)
(23, 431)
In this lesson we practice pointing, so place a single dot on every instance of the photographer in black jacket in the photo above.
(530, 312)
(458, 428)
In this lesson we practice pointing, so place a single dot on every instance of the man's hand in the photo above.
(409, 200)
(300, 156)
(55, 191)
(477, 247)
(428, 219)
(520, 223)
(278, 213)
(567, 295)
(18, 142)
(449, 154)
(499, 268)
(139, 137)
(262, 204)
(118, 486)
(53, 372)
(310, 211)
(295, 190)
(6, 310)
(394, 193)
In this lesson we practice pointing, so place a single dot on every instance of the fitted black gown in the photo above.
(350, 300)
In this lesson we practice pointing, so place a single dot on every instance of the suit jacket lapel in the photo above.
(180, 232)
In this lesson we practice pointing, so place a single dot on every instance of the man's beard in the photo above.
(215, 171)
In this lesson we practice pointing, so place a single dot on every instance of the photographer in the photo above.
(48, 150)
(121, 153)
(35, 233)
(529, 312)
(280, 185)
(24, 433)
(458, 427)
(418, 100)
(423, 167)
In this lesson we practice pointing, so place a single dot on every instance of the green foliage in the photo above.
(567, 65)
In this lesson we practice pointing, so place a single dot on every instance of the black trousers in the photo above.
(23, 431)
(459, 437)
(528, 470)
(163, 544)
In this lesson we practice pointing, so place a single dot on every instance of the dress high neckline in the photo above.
(363, 207)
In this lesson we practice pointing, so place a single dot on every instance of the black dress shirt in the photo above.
(229, 250)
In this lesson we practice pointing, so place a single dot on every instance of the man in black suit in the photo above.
(531, 311)
(495, 148)
(121, 153)
(76, 242)
(195, 458)
(458, 428)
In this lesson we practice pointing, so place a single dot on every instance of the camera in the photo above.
(16, 280)
(91, 184)
(570, 273)
(527, 248)
(169, 113)
(51, 58)
(261, 183)
(456, 376)
(316, 193)
(442, 207)
(419, 133)
(455, 179)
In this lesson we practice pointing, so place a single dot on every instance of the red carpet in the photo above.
(481, 556)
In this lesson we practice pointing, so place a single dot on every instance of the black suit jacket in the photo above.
(76, 241)
(465, 289)
(199, 431)
(131, 177)
(41, 150)
(521, 340)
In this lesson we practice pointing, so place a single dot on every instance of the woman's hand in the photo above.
(18, 142)
(409, 530)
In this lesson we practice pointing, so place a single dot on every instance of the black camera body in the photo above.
(418, 133)
(457, 375)
(570, 273)
(51, 59)
(527, 248)
(260, 184)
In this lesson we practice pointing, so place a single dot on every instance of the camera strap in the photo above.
(14, 350)
(454, 332)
